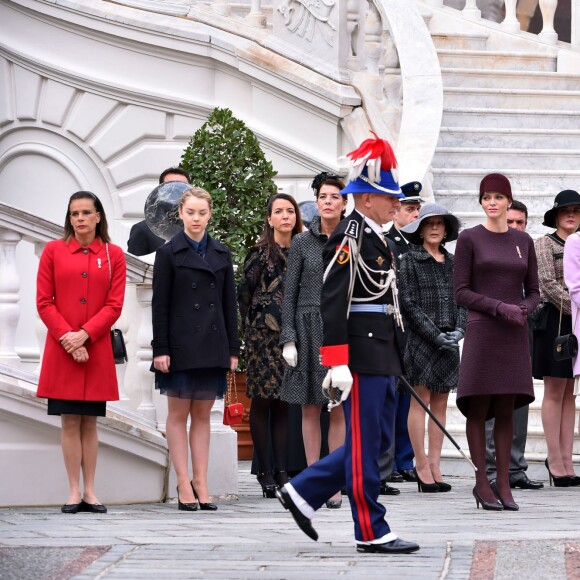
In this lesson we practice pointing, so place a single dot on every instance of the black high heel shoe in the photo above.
(510, 506)
(185, 507)
(208, 506)
(558, 480)
(425, 487)
(281, 478)
(443, 487)
(486, 505)
(266, 480)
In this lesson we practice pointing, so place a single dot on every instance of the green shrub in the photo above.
(224, 157)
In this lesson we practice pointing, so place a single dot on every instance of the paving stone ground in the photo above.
(255, 538)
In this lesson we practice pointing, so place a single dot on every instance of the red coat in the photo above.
(73, 291)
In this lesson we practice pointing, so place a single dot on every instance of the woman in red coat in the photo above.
(80, 292)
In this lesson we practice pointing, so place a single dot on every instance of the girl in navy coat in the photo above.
(195, 339)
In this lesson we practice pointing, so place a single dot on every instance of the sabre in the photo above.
(417, 398)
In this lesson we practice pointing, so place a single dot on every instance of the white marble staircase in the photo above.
(507, 111)
(511, 112)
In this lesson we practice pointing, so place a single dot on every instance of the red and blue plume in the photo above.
(374, 154)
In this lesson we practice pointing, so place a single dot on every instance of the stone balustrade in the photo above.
(258, 13)
(511, 23)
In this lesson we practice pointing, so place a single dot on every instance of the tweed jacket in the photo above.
(426, 294)
(550, 255)
(303, 278)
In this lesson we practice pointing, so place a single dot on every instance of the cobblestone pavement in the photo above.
(254, 538)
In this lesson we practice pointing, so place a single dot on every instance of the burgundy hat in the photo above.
(495, 182)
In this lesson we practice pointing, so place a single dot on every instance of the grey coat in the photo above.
(301, 319)
(426, 295)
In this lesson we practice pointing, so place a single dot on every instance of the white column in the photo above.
(256, 17)
(471, 10)
(576, 22)
(9, 300)
(548, 8)
(511, 23)
(144, 353)
(39, 328)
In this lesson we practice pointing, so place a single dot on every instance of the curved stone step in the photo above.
(464, 116)
(509, 138)
(459, 41)
(511, 98)
(537, 202)
(504, 79)
(505, 159)
(521, 179)
(500, 60)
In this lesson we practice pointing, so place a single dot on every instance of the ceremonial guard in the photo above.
(359, 312)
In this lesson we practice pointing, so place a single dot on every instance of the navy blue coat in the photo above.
(194, 306)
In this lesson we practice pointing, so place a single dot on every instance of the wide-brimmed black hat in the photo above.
(564, 198)
(452, 224)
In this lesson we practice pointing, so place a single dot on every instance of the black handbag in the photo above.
(119, 348)
(117, 339)
(565, 346)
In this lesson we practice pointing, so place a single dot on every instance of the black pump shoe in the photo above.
(425, 487)
(510, 506)
(266, 480)
(486, 505)
(185, 507)
(281, 478)
(208, 506)
(558, 480)
(71, 508)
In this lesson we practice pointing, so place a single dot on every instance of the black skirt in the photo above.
(62, 407)
(543, 362)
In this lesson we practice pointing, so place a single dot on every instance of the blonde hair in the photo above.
(198, 192)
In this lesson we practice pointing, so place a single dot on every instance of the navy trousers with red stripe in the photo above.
(369, 414)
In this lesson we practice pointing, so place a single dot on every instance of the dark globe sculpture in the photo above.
(162, 209)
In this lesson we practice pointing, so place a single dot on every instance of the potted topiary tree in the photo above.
(224, 157)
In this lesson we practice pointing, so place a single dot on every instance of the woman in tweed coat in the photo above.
(558, 404)
(302, 324)
(435, 325)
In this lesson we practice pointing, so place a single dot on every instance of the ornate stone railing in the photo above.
(512, 24)
(259, 13)
(22, 334)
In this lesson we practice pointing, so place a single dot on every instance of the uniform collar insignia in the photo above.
(352, 229)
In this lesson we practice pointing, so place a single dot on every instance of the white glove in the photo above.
(338, 377)
(290, 354)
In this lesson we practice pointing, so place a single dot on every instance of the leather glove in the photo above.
(443, 342)
(340, 378)
(455, 335)
(290, 354)
(511, 313)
